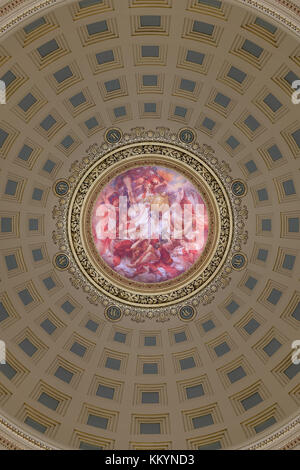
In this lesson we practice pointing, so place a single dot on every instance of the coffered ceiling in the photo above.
(73, 69)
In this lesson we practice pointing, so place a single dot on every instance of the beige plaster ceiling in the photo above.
(231, 82)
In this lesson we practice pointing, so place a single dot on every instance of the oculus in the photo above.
(142, 273)
(150, 224)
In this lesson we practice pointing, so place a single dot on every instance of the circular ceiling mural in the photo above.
(150, 224)
(124, 340)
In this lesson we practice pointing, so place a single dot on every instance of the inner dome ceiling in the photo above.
(133, 256)
(74, 379)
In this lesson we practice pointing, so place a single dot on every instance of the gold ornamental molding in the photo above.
(13, 12)
(286, 437)
(12, 437)
(222, 252)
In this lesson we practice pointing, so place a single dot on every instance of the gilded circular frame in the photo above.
(169, 292)
(96, 260)
(104, 161)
